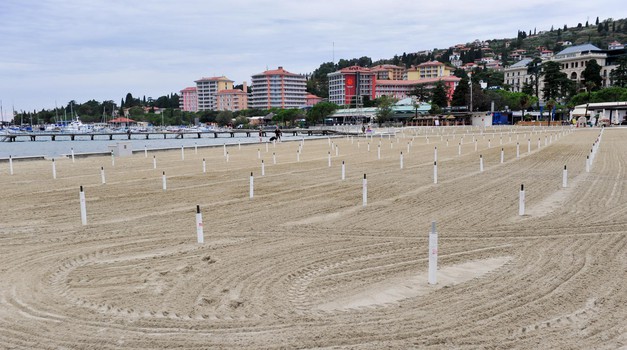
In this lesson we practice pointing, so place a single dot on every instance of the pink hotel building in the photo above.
(189, 100)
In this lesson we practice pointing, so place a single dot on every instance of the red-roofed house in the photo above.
(311, 99)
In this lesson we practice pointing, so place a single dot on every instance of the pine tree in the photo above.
(597, 22)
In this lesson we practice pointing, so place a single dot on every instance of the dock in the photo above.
(54, 136)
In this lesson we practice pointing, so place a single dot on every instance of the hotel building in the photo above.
(189, 100)
(207, 90)
(278, 88)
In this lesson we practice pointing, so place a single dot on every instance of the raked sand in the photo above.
(304, 265)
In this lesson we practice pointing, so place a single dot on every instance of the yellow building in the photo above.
(207, 90)
(431, 69)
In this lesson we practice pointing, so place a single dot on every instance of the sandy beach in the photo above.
(304, 264)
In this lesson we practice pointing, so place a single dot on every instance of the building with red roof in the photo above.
(189, 99)
(278, 88)
(207, 90)
(232, 99)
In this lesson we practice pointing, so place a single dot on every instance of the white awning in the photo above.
(579, 112)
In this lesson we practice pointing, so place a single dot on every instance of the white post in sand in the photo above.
(538, 143)
(364, 191)
(273, 158)
(102, 175)
(521, 201)
(54, 169)
(252, 188)
(343, 171)
(329, 158)
(224, 149)
(204, 166)
(433, 255)
(298, 156)
(407, 147)
(475, 145)
(11, 165)
(266, 146)
(528, 145)
(145, 151)
(182, 153)
(489, 143)
(565, 177)
(459, 149)
(258, 153)
(163, 181)
(263, 168)
(435, 172)
(517, 150)
(112, 158)
(337, 150)
(368, 146)
(379, 152)
(587, 164)
(227, 157)
(239, 146)
(154, 162)
(502, 155)
(83, 207)
(401, 159)
(435, 154)
(200, 235)
(72, 150)
(481, 163)
(195, 148)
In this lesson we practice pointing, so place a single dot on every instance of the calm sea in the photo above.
(47, 148)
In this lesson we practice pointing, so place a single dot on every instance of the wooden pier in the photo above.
(53, 136)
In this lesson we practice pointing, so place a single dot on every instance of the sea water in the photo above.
(62, 147)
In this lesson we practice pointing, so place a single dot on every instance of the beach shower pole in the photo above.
(199, 227)
(521, 201)
(435, 172)
(343, 171)
(433, 255)
(54, 169)
(565, 177)
(102, 175)
(83, 207)
(252, 192)
(364, 191)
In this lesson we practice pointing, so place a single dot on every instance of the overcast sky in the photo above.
(59, 50)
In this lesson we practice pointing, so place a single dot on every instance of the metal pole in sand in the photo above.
(502, 155)
(252, 191)
(364, 191)
(72, 151)
(433, 255)
(401, 159)
(11, 165)
(435, 172)
(154, 162)
(102, 175)
(517, 150)
(54, 169)
(182, 153)
(343, 171)
(83, 207)
(204, 166)
(163, 180)
(263, 168)
(145, 151)
(565, 177)
(200, 235)
(521, 201)
(481, 163)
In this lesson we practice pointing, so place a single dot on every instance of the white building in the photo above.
(207, 90)
(278, 88)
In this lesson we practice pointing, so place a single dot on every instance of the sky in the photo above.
(54, 51)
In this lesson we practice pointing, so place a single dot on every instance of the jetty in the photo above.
(128, 135)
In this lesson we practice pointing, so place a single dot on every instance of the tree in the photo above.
(420, 92)
(384, 109)
(534, 68)
(285, 116)
(321, 110)
(439, 97)
(549, 108)
(618, 77)
(592, 75)
(460, 94)
(136, 111)
(556, 83)
(224, 118)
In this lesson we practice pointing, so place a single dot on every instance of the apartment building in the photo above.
(188, 101)
(389, 71)
(430, 69)
(278, 88)
(207, 90)
(232, 100)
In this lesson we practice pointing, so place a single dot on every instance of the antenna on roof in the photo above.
(334, 52)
